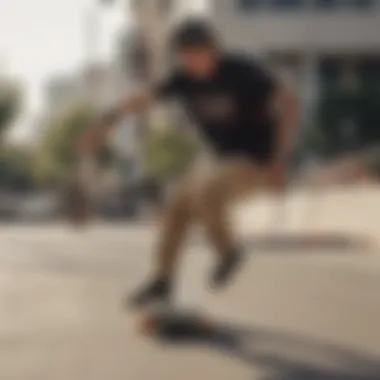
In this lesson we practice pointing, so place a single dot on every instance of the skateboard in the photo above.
(176, 324)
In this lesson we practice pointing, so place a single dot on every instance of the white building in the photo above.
(61, 91)
(94, 84)
(309, 41)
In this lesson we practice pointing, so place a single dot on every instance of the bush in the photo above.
(168, 152)
(56, 159)
(10, 103)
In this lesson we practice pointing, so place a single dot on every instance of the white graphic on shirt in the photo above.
(215, 108)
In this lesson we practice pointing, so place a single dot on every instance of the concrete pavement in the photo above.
(303, 310)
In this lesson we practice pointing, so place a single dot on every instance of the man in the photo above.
(248, 120)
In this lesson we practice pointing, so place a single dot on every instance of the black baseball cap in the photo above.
(194, 32)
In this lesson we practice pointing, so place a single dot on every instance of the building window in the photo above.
(345, 4)
(253, 5)
(289, 3)
(271, 4)
(165, 5)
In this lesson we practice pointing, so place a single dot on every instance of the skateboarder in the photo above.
(248, 120)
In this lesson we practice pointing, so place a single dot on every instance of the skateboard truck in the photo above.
(176, 325)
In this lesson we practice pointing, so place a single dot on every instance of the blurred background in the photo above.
(63, 63)
(307, 305)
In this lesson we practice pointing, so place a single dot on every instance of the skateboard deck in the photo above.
(172, 324)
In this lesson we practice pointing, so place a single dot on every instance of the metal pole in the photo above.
(91, 35)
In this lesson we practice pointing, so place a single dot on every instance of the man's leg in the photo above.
(205, 195)
(229, 181)
(176, 222)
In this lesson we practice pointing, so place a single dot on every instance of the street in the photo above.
(304, 309)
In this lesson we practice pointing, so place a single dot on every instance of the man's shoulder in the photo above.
(174, 78)
(236, 61)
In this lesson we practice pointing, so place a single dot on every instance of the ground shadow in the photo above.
(310, 242)
(302, 242)
(280, 356)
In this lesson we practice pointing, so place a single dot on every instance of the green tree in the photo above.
(16, 168)
(10, 103)
(56, 160)
(168, 152)
(361, 107)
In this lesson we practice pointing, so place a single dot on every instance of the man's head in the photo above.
(196, 45)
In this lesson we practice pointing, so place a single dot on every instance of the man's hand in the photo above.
(78, 208)
(93, 139)
(84, 146)
(78, 205)
(286, 104)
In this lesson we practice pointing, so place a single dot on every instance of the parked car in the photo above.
(39, 207)
(8, 207)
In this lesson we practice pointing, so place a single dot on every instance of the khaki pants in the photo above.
(205, 196)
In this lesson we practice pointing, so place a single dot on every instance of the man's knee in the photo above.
(198, 194)
(179, 201)
(208, 195)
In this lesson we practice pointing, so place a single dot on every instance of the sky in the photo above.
(40, 38)
(43, 38)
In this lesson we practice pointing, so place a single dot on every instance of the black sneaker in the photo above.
(226, 268)
(156, 291)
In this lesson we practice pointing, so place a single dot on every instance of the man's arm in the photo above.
(262, 81)
(95, 136)
(287, 108)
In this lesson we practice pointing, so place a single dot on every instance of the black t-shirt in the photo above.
(231, 109)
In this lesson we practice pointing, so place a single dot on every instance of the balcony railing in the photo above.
(163, 6)
(328, 5)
